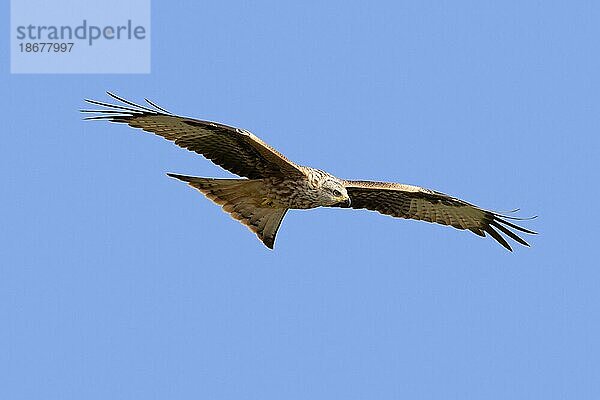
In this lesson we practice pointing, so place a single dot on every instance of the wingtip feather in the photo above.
(493, 233)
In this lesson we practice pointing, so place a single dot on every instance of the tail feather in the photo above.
(238, 197)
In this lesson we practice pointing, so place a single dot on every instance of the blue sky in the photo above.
(118, 282)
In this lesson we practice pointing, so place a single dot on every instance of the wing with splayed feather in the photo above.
(413, 202)
(234, 149)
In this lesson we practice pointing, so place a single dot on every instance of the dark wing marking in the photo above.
(413, 202)
(234, 149)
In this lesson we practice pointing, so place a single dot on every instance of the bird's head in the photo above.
(333, 193)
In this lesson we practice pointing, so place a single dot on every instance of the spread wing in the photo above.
(234, 149)
(413, 202)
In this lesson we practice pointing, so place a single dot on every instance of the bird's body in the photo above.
(300, 193)
(272, 184)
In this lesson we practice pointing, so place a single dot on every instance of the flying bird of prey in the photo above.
(272, 184)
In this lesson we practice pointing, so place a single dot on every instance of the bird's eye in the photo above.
(337, 193)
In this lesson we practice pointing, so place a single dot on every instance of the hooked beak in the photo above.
(344, 204)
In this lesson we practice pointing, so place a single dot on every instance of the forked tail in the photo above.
(238, 197)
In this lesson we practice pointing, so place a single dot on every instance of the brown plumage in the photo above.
(275, 184)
